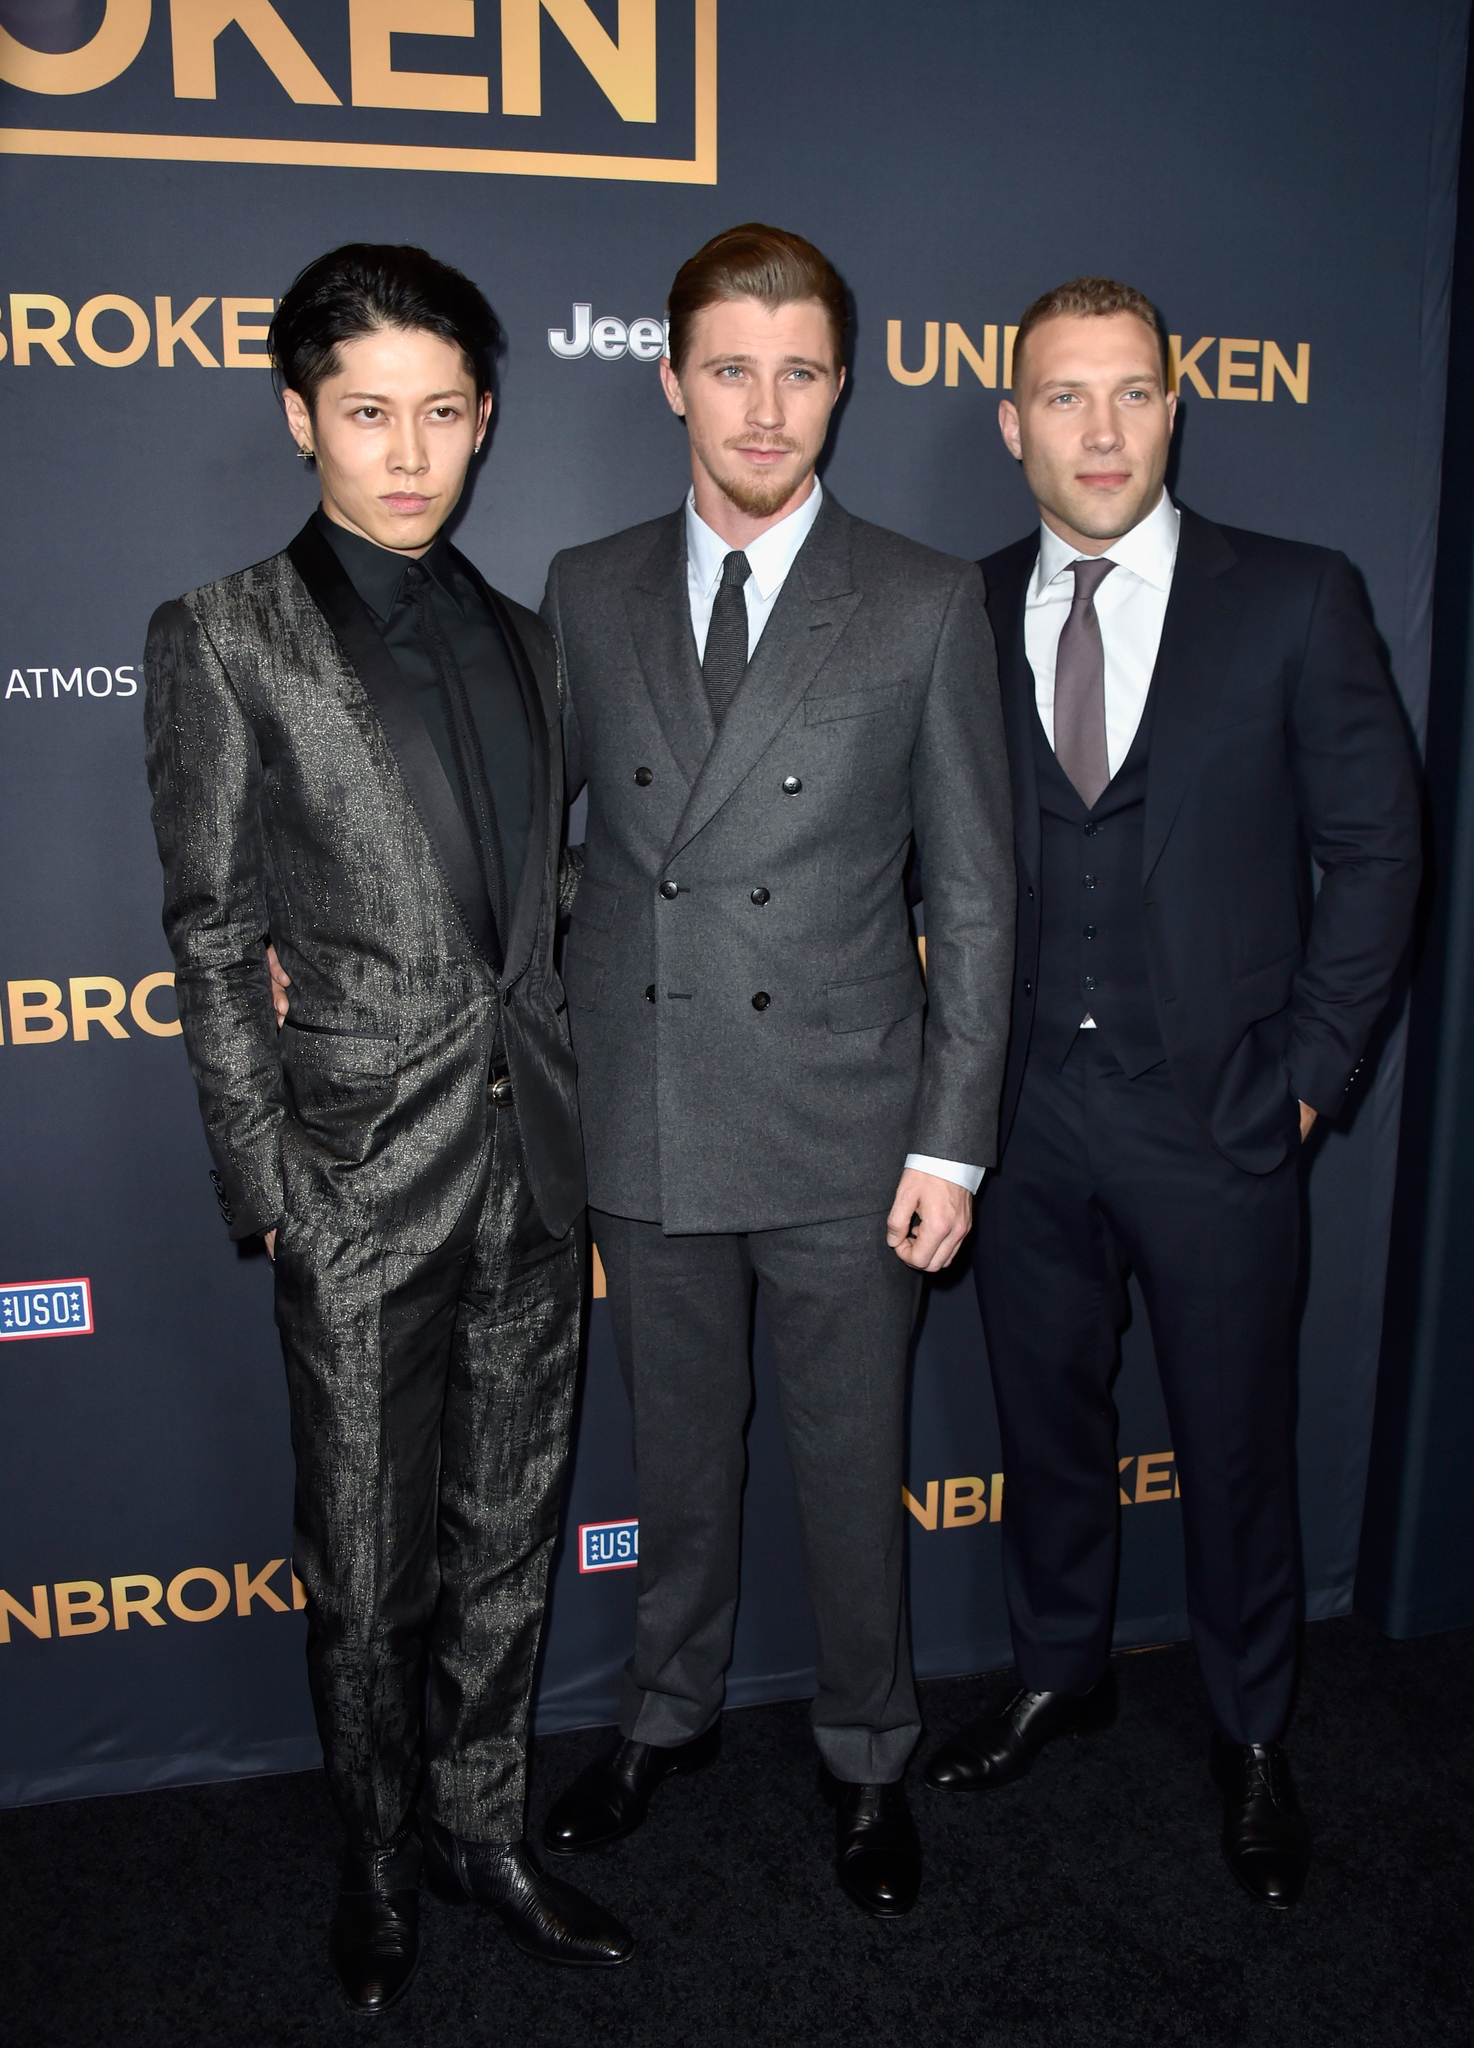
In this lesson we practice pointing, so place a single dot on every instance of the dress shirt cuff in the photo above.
(969, 1177)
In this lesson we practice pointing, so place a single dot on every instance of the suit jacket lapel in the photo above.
(658, 607)
(813, 609)
(541, 708)
(409, 741)
(1198, 635)
(1007, 591)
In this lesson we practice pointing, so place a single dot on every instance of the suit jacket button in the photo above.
(761, 1000)
(1089, 982)
(760, 897)
(1090, 931)
(1030, 894)
(650, 993)
(791, 785)
(644, 776)
(670, 891)
(1028, 988)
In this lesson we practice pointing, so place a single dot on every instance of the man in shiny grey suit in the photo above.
(353, 750)
(769, 701)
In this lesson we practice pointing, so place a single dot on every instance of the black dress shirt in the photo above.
(446, 642)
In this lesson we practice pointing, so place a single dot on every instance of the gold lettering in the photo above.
(35, 1013)
(596, 1271)
(22, 305)
(138, 1007)
(235, 333)
(105, 1013)
(248, 1589)
(197, 25)
(79, 1608)
(144, 1602)
(984, 366)
(1296, 381)
(37, 1618)
(964, 1501)
(108, 55)
(997, 1510)
(1121, 1464)
(376, 83)
(1010, 335)
(1233, 367)
(623, 70)
(175, 1594)
(929, 362)
(169, 332)
(927, 1516)
(1152, 1482)
(112, 358)
(1180, 365)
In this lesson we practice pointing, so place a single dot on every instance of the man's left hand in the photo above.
(928, 1221)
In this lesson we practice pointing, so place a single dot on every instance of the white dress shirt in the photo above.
(1130, 604)
(770, 557)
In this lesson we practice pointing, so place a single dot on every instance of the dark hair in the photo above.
(363, 287)
(755, 262)
(1085, 298)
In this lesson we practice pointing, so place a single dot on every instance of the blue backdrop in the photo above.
(1279, 180)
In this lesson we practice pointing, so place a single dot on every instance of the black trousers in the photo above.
(840, 1305)
(431, 1398)
(1102, 1174)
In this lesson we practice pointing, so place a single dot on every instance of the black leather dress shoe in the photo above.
(1266, 1843)
(545, 1917)
(610, 1799)
(1001, 1747)
(877, 1857)
(375, 1938)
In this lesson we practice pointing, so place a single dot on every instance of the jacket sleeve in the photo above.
(1358, 790)
(962, 813)
(572, 742)
(204, 773)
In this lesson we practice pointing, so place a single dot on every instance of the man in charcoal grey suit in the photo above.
(768, 700)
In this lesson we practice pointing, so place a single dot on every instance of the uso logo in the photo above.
(608, 1546)
(45, 1308)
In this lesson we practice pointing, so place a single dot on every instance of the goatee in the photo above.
(759, 495)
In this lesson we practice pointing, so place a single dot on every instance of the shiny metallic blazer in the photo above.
(297, 796)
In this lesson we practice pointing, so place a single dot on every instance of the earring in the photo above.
(305, 454)
(477, 449)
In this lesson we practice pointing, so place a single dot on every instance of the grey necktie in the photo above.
(1079, 688)
(725, 662)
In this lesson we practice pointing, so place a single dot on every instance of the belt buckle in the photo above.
(500, 1090)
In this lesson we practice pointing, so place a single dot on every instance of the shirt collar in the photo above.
(770, 556)
(1149, 550)
(377, 573)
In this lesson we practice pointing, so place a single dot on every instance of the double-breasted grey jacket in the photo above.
(756, 1045)
(298, 794)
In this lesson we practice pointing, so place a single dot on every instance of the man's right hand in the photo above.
(281, 981)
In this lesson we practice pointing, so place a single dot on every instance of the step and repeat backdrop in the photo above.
(1279, 180)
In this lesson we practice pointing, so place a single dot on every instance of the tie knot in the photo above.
(735, 571)
(1090, 573)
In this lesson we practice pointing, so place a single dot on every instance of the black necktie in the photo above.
(478, 806)
(1079, 688)
(725, 661)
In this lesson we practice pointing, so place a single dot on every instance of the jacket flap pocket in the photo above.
(883, 999)
(820, 709)
(346, 1051)
(595, 904)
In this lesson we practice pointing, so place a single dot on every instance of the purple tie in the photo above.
(1079, 688)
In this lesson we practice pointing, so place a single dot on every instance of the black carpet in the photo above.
(1088, 1904)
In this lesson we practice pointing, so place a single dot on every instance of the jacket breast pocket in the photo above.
(594, 905)
(823, 708)
(344, 1052)
(879, 1000)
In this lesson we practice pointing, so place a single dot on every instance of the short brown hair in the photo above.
(755, 262)
(1085, 298)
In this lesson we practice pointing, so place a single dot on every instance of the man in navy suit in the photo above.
(1194, 714)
